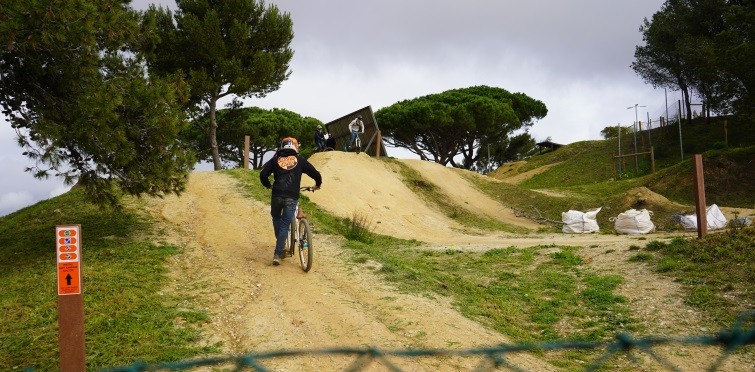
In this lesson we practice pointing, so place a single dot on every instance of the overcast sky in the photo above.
(572, 55)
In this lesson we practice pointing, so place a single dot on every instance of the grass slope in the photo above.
(128, 314)
(530, 294)
(585, 172)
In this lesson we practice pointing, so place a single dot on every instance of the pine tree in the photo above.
(236, 48)
(74, 88)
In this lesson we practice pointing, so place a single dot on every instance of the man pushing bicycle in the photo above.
(286, 166)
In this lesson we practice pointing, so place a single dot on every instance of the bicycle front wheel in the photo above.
(305, 245)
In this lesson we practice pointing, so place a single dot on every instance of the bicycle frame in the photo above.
(300, 235)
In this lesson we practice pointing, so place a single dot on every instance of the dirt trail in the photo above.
(257, 307)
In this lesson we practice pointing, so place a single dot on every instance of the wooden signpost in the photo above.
(702, 218)
(70, 299)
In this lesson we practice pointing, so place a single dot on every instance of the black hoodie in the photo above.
(287, 167)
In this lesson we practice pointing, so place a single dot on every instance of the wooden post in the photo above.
(379, 142)
(246, 152)
(71, 333)
(652, 160)
(702, 220)
(70, 299)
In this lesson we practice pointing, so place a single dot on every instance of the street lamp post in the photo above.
(636, 118)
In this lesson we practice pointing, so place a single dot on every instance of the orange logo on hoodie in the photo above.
(287, 162)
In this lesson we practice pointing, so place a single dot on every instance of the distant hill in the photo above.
(728, 150)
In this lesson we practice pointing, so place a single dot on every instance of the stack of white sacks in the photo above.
(637, 222)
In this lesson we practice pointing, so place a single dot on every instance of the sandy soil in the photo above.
(521, 177)
(257, 307)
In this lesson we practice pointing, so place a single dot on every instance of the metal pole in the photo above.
(620, 169)
(650, 126)
(636, 119)
(666, 96)
(636, 166)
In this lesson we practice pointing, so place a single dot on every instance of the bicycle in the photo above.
(300, 235)
(357, 144)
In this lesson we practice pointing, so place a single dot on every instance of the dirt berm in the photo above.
(256, 307)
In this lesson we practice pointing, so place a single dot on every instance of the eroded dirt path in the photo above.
(257, 307)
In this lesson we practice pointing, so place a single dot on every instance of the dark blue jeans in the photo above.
(282, 209)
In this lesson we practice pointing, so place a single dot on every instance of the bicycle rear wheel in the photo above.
(305, 245)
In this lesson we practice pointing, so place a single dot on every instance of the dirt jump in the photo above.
(258, 307)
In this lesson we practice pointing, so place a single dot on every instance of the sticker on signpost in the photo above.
(68, 239)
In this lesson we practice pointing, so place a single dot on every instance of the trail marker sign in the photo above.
(68, 251)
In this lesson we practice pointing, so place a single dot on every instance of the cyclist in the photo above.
(286, 166)
(356, 127)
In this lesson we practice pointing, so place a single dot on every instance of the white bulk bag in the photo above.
(634, 222)
(714, 217)
(576, 222)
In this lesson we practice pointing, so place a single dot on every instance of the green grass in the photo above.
(127, 315)
(578, 163)
(535, 205)
(727, 174)
(718, 271)
(728, 179)
(533, 294)
(586, 171)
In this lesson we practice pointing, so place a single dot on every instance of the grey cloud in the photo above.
(573, 55)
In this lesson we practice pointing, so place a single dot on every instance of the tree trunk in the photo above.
(687, 104)
(213, 134)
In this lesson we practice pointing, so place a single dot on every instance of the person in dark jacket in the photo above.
(286, 166)
(330, 142)
(319, 138)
